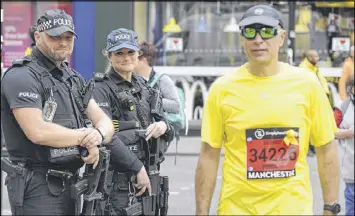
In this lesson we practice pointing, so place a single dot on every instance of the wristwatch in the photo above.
(335, 208)
(102, 132)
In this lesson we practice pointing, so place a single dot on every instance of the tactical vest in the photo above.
(129, 105)
(139, 100)
(64, 114)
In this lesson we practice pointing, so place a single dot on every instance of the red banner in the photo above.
(17, 20)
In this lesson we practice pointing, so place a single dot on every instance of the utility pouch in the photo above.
(64, 155)
(56, 181)
(56, 186)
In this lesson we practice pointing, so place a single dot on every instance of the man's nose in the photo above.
(258, 38)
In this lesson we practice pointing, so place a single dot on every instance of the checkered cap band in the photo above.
(54, 23)
(44, 26)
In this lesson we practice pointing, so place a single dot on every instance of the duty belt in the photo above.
(53, 171)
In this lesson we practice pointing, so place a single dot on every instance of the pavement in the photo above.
(181, 175)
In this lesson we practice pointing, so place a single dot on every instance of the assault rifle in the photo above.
(157, 203)
(93, 185)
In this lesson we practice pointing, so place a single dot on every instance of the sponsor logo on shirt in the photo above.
(28, 95)
(271, 174)
(259, 133)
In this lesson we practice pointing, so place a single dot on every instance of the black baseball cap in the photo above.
(261, 14)
(55, 22)
(122, 38)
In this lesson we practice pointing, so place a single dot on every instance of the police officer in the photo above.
(44, 106)
(127, 98)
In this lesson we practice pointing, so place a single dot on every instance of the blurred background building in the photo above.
(194, 39)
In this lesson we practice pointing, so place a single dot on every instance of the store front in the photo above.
(209, 31)
(186, 33)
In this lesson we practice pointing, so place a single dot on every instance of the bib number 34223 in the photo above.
(272, 152)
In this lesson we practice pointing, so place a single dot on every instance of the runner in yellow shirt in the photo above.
(264, 115)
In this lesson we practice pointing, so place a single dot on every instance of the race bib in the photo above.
(272, 152)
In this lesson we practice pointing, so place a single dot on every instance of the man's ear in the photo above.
(36, 35)
(283, 38)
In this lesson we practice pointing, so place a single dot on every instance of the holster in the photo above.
(16, 180)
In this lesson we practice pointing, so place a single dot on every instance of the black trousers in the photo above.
(40, 199)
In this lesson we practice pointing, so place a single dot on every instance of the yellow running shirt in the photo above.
(265, 124)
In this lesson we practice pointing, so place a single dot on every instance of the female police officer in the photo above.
(127, 99)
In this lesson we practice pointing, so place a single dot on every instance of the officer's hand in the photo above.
(143, 182)
(156, 130)
(92, 139)
(93, 157)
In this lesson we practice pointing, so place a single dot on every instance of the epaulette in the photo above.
(143, 83)
(141, 80)
(99, 77)
(21, 61)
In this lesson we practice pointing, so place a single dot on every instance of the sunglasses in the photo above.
(265, 32)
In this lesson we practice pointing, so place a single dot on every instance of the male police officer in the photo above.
(43, 113)
(128, 100)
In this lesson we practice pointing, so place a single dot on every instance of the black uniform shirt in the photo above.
(22, 88)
